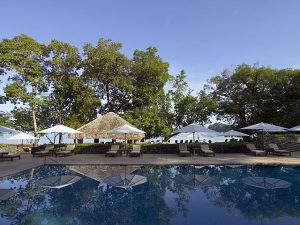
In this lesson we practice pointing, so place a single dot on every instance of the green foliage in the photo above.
(71, 101)
(254, 94)
(106, 70)
(5, 119)
(149, 120)
(25, 58)
(219, 127)
(150, 74)
(189, 108)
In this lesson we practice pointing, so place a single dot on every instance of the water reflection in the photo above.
(58, 182)
(171, 195)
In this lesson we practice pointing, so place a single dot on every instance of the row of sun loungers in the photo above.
(9, 152)
(272, 148)
(203, 150)
(11, 156)
(183, 150)
(136, 151)
(49, 150)
(116, 151)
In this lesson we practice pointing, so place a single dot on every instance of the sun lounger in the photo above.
(205, 151)
(44, 152)
(65, 151)
(276, 150)
(113, 152)
(256, 152)
(136, 151)
(7, 155)
(183, 151)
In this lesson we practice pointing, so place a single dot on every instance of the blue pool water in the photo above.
(179, 195)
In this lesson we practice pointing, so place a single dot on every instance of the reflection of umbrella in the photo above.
(233, 133)
(125, 129)
(4, 129)
(125, 181)
(265, 127)
(22, 136)
(193, 128)
(58, 182)
(99, 173)
(60, 129)
(266, 182)
(6, 194)
(195, 180)
(296, 128)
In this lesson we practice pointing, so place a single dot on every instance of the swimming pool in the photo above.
(153, 195)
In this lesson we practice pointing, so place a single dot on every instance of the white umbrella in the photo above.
(4, 129)
(296, 128)
(125, 129)
(233, 133)
(265, 127)
(193, 128)
(60, 129)
(22, 136)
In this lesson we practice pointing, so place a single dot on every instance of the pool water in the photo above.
(178, 195)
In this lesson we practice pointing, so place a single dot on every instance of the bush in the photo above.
(161, 148)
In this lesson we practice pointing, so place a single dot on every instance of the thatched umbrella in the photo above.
(97, 128)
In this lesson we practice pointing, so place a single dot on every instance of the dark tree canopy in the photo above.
(253, 94)
(59, 83)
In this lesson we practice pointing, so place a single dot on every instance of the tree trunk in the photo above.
(34, 118)
(108, 98)
(34, 125)
(60, 136)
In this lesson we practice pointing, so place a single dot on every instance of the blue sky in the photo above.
(201, 37)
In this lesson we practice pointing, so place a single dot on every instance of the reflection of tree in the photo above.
(87, 202)
(255, 203)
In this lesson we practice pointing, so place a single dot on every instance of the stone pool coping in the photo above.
(27, 161)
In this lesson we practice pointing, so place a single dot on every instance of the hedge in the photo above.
(160, 148)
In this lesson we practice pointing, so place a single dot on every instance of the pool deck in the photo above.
(27, 161)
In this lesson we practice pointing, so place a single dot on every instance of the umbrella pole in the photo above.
(194, 138)
(263, 144)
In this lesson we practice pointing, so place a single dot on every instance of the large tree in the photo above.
(187, 107)
(252, 94)
(149, 105)
(150, 74)
(24, 58)
(71, 101)
(106, 69)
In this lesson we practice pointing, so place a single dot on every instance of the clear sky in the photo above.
(201, 37)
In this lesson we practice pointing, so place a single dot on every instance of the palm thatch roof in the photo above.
(97, 128)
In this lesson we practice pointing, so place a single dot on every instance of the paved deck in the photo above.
(27, 161)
